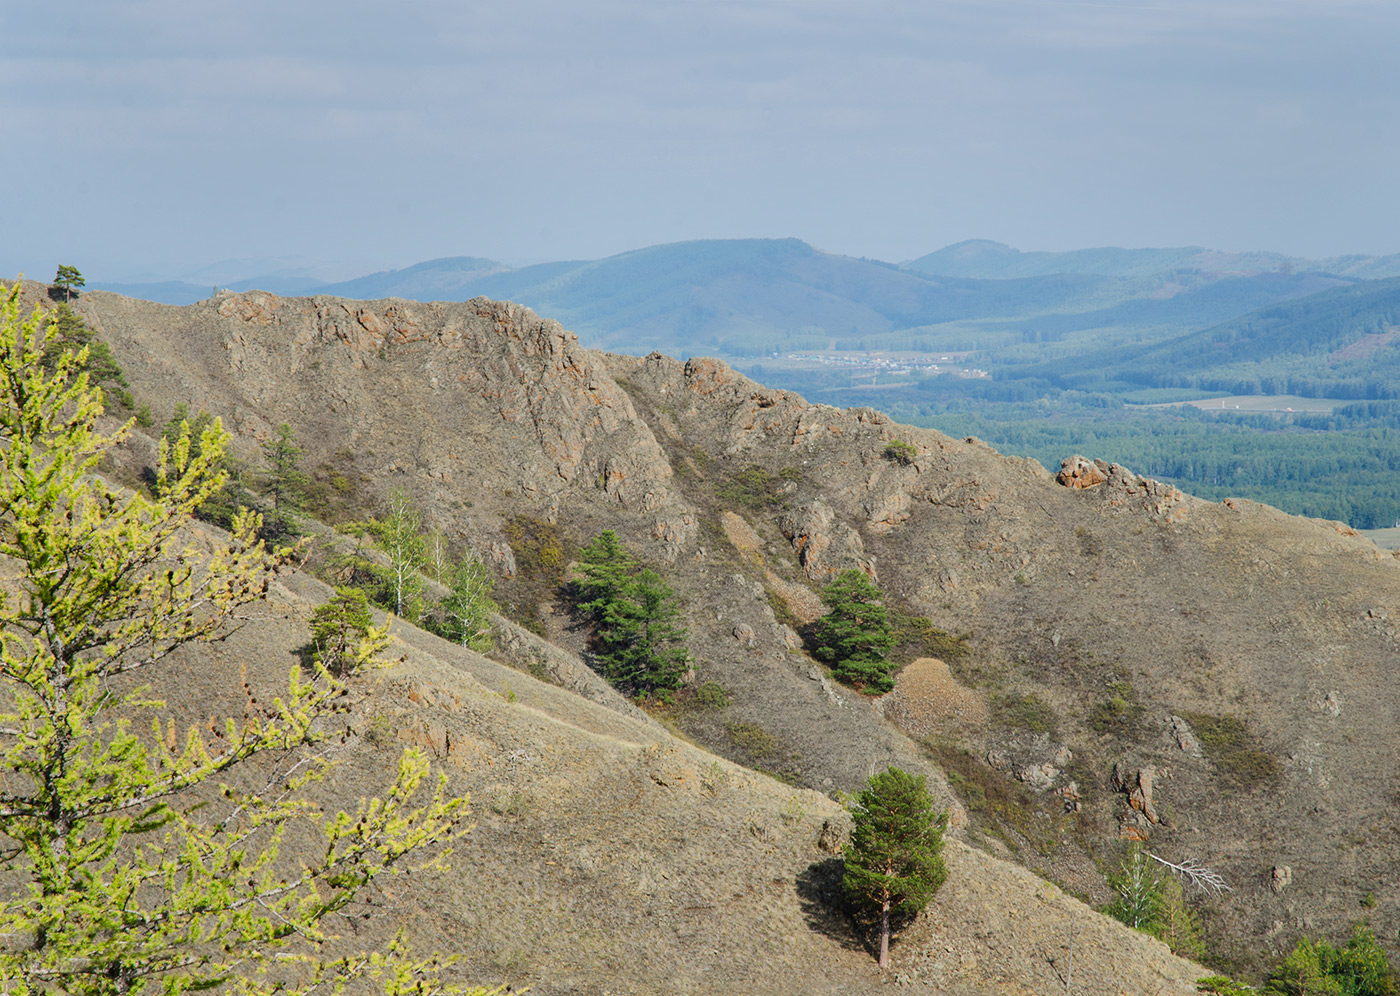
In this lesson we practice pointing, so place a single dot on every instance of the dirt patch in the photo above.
(1366, 346)
(928, 700)
(742, 537)
(801, 602)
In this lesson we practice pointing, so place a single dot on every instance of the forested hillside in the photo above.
(1336, 344)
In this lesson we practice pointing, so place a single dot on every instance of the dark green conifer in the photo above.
(855, 636)
(636, 638)
(894, 861)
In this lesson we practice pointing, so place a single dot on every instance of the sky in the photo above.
(163, 139)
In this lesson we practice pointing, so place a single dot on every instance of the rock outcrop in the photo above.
(1077, 472)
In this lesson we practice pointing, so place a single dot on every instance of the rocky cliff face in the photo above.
(482, 401)
(1244, 658)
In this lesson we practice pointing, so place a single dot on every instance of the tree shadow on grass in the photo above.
(824, 904)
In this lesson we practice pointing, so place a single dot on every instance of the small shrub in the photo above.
(1234, 750)
(901, 452)
(995, 799)
(343, 637)
(782, 612)
(917, 636)
(753, 740)
(337, 491)
(1120, 714)
(792, 811)
(509, 802)
(540, 552)
(711, 695)
(715, 778)
(1025, 712)
(754, 489)
(381, 731)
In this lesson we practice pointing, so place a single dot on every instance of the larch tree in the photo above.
(464, 616)
(128, 864)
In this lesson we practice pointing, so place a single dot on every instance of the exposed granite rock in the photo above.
(1185, 737)
(823, 545)
(1077, 472)
(1137, 785)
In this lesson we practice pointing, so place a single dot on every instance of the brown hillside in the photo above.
(1233, 664)
(609, 857)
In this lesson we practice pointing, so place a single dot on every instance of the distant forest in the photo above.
(1352, 475)
(1344, 465)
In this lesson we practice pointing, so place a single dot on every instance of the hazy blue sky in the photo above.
(157, 136)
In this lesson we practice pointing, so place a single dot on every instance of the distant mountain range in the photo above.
(983, 259)
(755, 297)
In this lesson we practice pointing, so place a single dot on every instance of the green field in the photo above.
(1273, 404)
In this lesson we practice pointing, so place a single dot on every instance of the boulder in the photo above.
(1079, 472)
(824, 545)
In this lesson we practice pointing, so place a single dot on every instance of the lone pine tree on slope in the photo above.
(67, 280)
(894, 861)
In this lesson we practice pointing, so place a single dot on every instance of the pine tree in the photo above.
(69, 333)
(636, 635)
(607, 569)
(343, 633)
(894, 861)
(67, 280)
(283, 483)
(121, 876)
(645, 646)
(855, 636)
